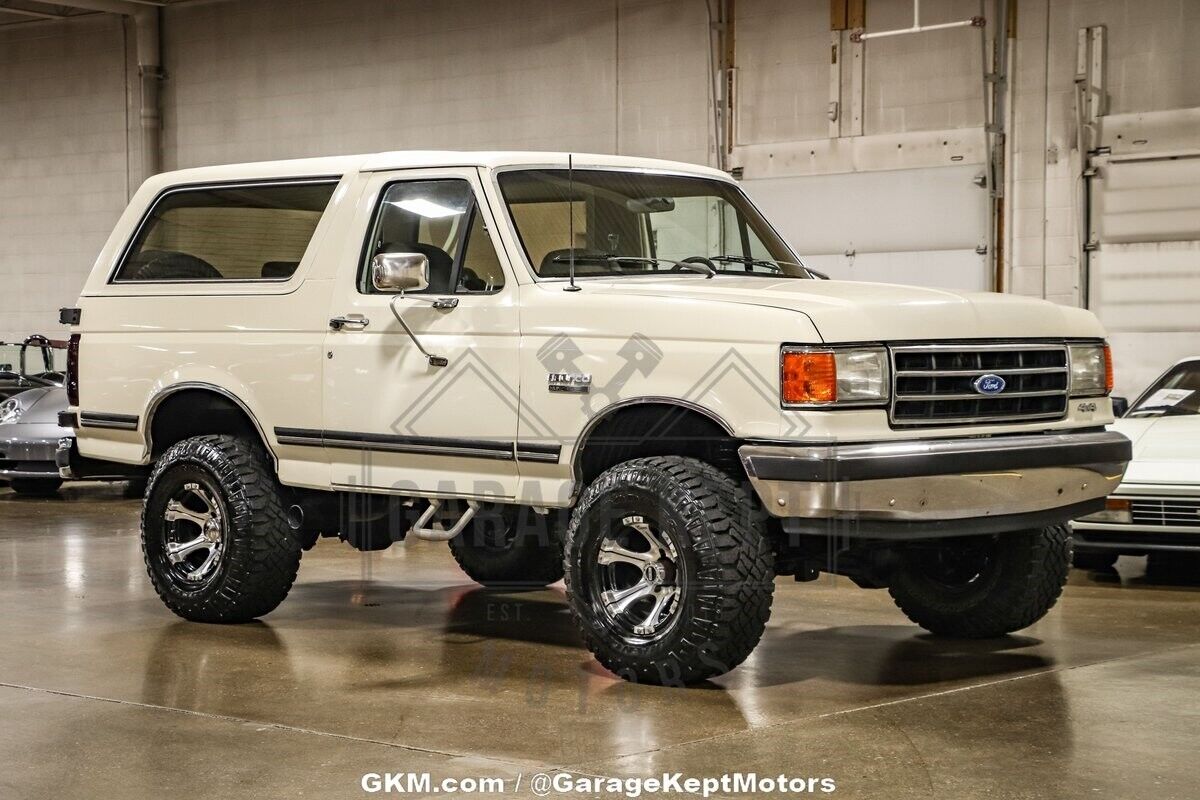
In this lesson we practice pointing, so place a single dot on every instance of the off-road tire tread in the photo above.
(260, 576)
(736, 563)
(534, 568)
(1033, 580)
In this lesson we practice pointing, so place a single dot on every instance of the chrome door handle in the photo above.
(354, 323)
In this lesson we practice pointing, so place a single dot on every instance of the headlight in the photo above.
(10, 411)
(833, 377)
(1091, 370)
(1115, 510)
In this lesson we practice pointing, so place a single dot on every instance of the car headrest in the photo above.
(279, 269)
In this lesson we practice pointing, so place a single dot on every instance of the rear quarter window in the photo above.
(251, 232)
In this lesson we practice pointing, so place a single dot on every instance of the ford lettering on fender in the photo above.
(601, 369)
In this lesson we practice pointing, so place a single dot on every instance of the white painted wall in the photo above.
(252, 79)
(897, 226)
(276, 78)
(62, 163)
(268, 79)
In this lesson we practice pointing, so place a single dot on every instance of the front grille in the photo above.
(1134, 540)
(934, 384)
(1164, 511)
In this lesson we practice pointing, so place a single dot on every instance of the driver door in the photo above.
(391, 419)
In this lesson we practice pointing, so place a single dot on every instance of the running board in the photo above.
(429, 534)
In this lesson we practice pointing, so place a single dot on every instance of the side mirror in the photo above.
(399, 272)
(1120, 406)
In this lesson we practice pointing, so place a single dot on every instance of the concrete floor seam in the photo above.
(272, 725)
(902, 701)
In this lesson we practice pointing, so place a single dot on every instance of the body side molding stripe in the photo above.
(424, 445)
(120, 422)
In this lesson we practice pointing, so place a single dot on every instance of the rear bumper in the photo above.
(1010, 482)
(71, 466)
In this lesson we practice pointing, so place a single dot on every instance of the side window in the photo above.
(233, 233)
(439, 219)
(481, 270)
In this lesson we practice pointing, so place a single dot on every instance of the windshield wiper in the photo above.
(775, 265)
(752, 262)
(693, 266)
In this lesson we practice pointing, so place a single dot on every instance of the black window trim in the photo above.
(252, 183)
(1150, 388)
(474, 208)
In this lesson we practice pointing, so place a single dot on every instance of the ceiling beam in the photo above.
(26, 12)
(111, 6)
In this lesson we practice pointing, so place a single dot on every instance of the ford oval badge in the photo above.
(989, 384)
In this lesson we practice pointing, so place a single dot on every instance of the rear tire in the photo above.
(980, 587)
(669, 570)
(511, 547)
(214, 538)
(36, 487)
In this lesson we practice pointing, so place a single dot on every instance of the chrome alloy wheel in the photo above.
(195, 534)
(637, 578)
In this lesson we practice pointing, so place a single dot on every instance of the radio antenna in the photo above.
(571, 287)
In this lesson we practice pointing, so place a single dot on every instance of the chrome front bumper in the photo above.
(1052, 477)
(26, 453)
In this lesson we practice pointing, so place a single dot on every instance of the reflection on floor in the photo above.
(395, 662)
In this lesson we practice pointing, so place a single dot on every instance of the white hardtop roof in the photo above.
(417, 159)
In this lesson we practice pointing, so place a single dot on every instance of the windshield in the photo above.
(35, 362)
(1176, 393)
(633, 223)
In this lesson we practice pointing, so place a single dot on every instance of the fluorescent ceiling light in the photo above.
(427, 208)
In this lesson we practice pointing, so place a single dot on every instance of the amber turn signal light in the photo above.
(809, 377)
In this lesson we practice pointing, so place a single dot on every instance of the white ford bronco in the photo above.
(601, 368)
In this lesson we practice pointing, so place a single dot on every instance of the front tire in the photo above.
(214, 538)
(36, 487)
(511, 547)
(981, 587)
(669, 571)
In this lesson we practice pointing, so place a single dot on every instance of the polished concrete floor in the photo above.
(397, 663)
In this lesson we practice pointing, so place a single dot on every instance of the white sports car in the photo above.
(1157, 506)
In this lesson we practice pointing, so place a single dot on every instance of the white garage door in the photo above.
(1144, 273)
(913, 226)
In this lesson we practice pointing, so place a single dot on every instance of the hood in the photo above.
(41, 405)
(1165, 449)
(854, 311)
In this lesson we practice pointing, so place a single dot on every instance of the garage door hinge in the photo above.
(1091, 172)
(1090, 245)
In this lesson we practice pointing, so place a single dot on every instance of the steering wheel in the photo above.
(708, 262)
